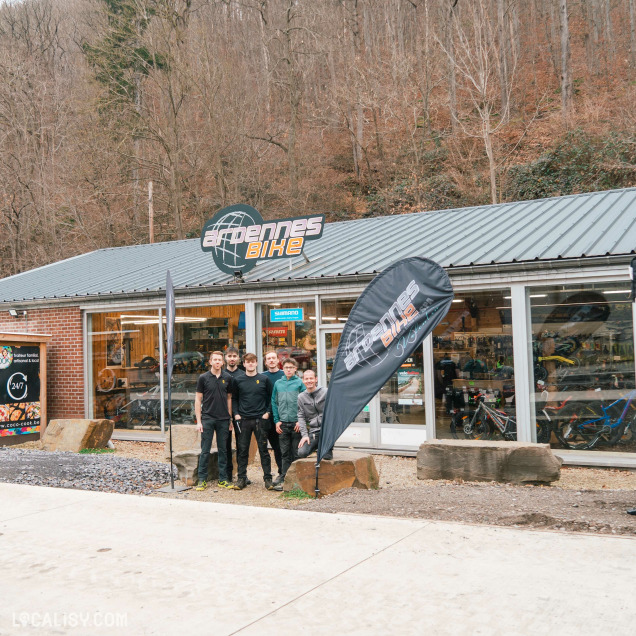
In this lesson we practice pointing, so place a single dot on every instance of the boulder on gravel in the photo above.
(185, 437)
(481, 460)
(345, 470)
(187, 463)
(76, 435)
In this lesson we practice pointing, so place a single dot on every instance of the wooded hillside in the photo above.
(347, 107)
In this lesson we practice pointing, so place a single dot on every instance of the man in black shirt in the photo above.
(232, 367)
(253, 396)
(213, 410)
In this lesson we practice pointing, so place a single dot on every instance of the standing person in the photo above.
(232, 367)
(274, 373)
(311, 407)
(213, 412)
(254, 397)
(285, 411)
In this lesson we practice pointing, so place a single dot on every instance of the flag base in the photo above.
(173, 488)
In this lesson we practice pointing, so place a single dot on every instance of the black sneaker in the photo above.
(279, 480)
(269, 485)
(248, 482)
(240, 483)
(328, 455)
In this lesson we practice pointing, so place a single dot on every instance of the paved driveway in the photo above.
(97, 563)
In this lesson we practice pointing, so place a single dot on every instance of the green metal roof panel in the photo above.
(583, 225)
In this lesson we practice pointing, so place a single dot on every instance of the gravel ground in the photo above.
(105, 471)
(585, 499)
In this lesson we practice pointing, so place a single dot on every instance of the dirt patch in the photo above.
(584, 500)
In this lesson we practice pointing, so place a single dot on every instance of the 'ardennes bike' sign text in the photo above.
(238, 236)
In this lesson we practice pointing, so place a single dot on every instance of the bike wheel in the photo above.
(476, 426)
(544, 431)
(575, 426)
(540, 373)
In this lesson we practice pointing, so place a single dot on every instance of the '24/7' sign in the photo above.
(19, 389)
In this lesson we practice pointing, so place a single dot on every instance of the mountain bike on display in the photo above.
(486, 422)
(581, 426)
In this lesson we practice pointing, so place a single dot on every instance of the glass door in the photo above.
(363, 430)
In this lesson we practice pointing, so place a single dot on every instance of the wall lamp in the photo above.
(15, 313)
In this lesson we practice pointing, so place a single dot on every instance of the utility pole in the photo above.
(151, 214)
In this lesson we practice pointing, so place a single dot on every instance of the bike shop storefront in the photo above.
(511, 345)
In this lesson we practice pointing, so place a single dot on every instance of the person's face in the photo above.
(309, 380)
(250, 365)
(216, 362)
(271, 361)
(289, 370)
(232, 359)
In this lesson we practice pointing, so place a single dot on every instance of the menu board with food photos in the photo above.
(20, 401)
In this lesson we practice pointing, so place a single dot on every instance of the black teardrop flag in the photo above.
(396, 311)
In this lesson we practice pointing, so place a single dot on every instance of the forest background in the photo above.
(350, 108)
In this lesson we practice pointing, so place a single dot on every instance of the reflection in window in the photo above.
(583, 366)
(124, 364)
(290, 330)
(473, 368)
(336, 311)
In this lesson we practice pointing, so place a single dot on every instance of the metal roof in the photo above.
(577, 226)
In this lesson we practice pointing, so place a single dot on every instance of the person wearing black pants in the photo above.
(213, 412)
(253, 396)
(273, 373)
(232, 367)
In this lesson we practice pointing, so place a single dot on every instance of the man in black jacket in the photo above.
(232, 367)
(253, 396)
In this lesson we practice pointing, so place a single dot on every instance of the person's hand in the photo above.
(230, 427)
(297, 428)
(199, 427)
(237, 417)
(303, 441)
(279, 430)
(266, 416)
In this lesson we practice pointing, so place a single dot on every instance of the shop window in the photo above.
(124, 348)
(473, 368)
(198, 332)
(290, 330)
(336, 312)
(583, 366)
(402, 397)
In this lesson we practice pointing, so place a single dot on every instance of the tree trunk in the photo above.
(452, 78)
(503, 56)
(566, 71)
(632, 34)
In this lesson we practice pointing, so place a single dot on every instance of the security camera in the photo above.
(13, 312)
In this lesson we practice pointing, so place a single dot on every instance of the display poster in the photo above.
(20, 404)
(410, 387)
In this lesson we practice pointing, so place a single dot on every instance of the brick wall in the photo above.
(65, 370)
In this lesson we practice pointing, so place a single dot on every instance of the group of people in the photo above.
(275, 406)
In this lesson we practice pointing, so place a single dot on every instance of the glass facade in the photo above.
(583, 366)
(474, 369)
(290, 330)
(580, 352)
(125, 361)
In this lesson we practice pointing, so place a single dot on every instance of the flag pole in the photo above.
(316, 489)
(170, 313)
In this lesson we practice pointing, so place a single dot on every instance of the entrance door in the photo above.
(363, 430)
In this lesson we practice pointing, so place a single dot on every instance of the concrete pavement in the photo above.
(75, 562)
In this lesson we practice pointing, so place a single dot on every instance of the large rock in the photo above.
(345, 470)
(187, 463)
(185, 437)
(76, 435)
(479, 460)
